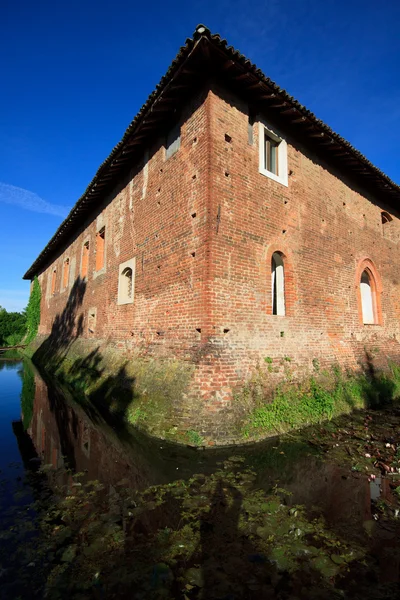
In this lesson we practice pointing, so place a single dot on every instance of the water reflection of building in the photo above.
(64, 436)
(348, 501)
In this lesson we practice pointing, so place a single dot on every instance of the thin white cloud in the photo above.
(10, 194)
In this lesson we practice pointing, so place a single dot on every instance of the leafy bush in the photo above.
(12, 327)
(33, 311)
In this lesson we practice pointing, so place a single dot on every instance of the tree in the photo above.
(12, 327)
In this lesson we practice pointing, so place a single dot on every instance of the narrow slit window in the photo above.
(278, 284)
(367, 299)
(53, 282)
(100, 246)
(66, 273)
(127, 282)
(85, 260)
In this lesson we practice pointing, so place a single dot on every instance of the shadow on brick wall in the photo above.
(112, 397)
(67, 326)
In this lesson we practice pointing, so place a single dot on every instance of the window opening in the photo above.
(66, 273)
(278, 284)
(85, 260)
(126, 282)
(100, 242)
(173, 141)
(271, 155)
(367, 299)
(53, 281)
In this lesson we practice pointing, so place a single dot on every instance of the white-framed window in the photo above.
(126, 282)
(273, 155)
(278, 285)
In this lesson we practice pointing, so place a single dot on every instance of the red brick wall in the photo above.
(214, 308)
(161, 222)
(325, 227)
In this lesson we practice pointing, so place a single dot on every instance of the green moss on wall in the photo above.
(147, 393)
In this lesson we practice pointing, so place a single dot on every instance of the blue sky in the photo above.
(73, 75)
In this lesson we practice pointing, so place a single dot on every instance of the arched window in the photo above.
(278, 284)
(385, 217)
(367, 298)
(126, 282)
(369, 289)
(386, 226)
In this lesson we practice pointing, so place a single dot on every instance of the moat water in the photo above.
(285, 519)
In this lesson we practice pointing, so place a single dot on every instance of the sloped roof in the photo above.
(202, 56)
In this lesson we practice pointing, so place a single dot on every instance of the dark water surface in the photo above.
(303, 525)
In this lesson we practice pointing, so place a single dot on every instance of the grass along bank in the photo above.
(317, 399)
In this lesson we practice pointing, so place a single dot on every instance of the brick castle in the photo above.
(229, 227)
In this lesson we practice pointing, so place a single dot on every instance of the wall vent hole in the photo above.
(193, 254)
(194, 140)
(283, 230)
(161, 170)
(226, 330)
(227, 173)
(194, 215)
(194, 176)
(228, 138)
(198, 329)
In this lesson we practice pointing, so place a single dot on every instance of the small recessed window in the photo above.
(65, 273)
(126, 282)
(173, 141)
(92, 320)
(53, 282)
(273, 155)
(367, 298)
(100, 246)
(85, 260)
(278, 284)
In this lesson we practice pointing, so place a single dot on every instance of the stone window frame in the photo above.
(366, 264)
(265, 131)
(122, 297)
